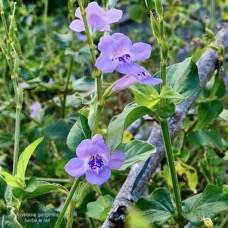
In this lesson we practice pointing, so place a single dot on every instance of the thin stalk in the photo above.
(70, 216)
(98, 73)
(57, 180)
(89, 38)
(16, 139)
(98, 190)
(97, 119)
(68, 200)
(213, 18)
(68, 80)
(169, 155)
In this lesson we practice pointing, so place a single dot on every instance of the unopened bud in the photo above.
(155, 27)
(85, 3)
(158, 7)
(207, 222)
(210, 34)
(3, 47)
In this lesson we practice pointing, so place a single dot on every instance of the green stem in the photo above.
(68, 200)
(89, 38)
(16, 139)
(97, 118)
(68, 80)
(98, 73)
(50, 179)
(71, 214)
(169, 154)
(98, 190)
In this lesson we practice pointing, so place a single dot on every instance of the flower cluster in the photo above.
(94, 160)
(118, 53)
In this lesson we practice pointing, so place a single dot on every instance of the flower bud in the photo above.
(3, 47)
(158, 7)
(85, 3)
(155, 28)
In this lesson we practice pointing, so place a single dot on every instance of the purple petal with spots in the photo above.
(143, 76)
(75, 167)
(98, 178)
(117, 159)
(77, 26)
(105, 64)
(140, 51)
(125, 68)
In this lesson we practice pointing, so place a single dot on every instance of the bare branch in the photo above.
(136, 182)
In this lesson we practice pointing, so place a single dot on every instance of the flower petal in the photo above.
(125, 68)
(78, 13)
(96, 22)
(75, 167)
(140, 51)
(77, 26)
(105, 64)
(85, 149)
(122, 42)
(102, 148)
(107, 46)
(117, 159)
(98, 179)
(113, 15)
(94, 8)
(143, 76)
(124, 83)
(150, 80)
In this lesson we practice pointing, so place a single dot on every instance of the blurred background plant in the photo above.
(57, 80)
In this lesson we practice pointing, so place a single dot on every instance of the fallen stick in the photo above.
(136, 183)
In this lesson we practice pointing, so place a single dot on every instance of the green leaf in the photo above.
(169, 93)
(196, 56)
(214, 89)
(189, 172)
(135, 151)
(58, 130)
(78, 132)
(40, 216)
(157, 207)
(207, 111)
(24, 159)
(145, 95)
(83, 84)
(207, 204)
(183, 78)
(208, 136)
(97, 208)
(64, 40)
(120, 122)
(39, 188)
(9, 219)
(11, 180)
(224, 114)
(136, 12)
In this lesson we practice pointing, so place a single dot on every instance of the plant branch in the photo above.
(135, 185)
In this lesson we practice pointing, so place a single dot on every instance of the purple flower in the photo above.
(35, 107)
(139, 75)
(24, 85)
(94, 160)
(98, 19)
(119, 54)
